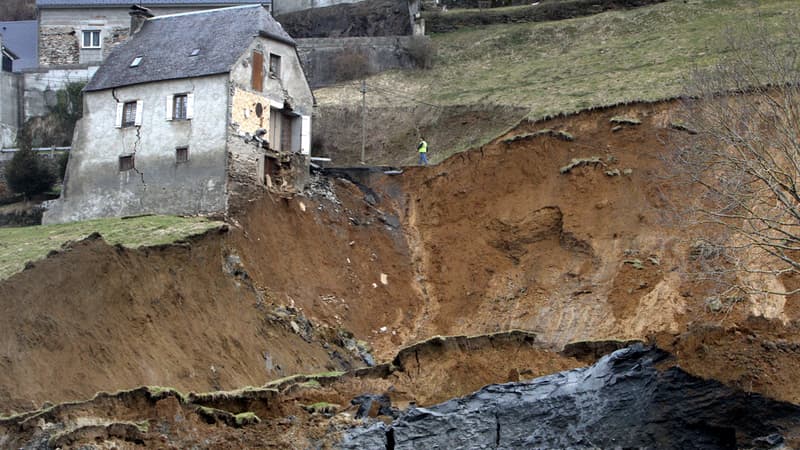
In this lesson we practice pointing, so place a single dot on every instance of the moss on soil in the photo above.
(21, 245)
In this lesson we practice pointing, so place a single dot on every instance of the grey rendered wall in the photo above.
(40, 85)
(9, 108)
(94, 186)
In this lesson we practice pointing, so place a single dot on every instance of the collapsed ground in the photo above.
(561, 228)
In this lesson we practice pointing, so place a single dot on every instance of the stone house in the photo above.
(194, 114)
(73, 32)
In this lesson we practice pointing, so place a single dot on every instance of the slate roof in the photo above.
(21, 37)
(166, 43)
(146, 3)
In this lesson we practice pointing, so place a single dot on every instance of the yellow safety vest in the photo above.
(423, 147)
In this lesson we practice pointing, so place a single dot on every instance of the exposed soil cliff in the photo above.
(564, 229)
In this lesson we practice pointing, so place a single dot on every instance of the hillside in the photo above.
(538, 289)
(548, 68)
(356, 273)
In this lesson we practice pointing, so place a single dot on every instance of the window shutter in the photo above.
(170, 103)
(118, 121)
(257, 75)
(189, 106)
(138, 121)
(305, 135)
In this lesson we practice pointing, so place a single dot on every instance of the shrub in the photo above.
(422, 51)
(351, 64)
(27, 174)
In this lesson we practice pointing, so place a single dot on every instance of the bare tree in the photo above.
(740, 151)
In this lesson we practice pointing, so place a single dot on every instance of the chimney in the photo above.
(139, 14)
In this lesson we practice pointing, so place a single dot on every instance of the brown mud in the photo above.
(571, 240)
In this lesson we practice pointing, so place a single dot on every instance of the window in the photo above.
(180, 106)
(126, 163)
(257, 77)
(274, 66)
(91, 39)
(136, 61)
(129, 114)
(179, 103)
(195, 52)
(182, 154)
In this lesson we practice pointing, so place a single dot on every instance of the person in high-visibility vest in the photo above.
(423, 152)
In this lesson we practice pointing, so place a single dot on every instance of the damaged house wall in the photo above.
(282, 108)
(96, 186)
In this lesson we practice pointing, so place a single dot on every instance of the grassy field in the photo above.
(569, 65)
(20, 245)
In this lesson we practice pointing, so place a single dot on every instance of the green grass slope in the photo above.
(23, 244)
(569, 65)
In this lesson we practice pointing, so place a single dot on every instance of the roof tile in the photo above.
(166, 45)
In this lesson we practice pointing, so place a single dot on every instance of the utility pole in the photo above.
(363, 119)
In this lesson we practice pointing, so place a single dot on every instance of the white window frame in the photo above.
(170, 107)
(137, 122)
(92, 32)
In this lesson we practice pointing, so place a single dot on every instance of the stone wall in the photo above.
(368, 18)
(446, 22)
(319, 56)
(287, 6)
(58, 45)
(39, 87)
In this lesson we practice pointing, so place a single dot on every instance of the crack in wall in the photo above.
(135, 147)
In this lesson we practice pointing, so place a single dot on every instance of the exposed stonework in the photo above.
(252, 169)
(58, 46)
(245, 117)
(112, 38)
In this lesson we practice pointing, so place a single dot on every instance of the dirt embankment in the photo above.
(503, 239)
(295, 412)
(96, 317)
(566, 233)
(282, 293)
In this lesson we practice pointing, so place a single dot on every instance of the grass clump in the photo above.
(682, 126)
(311, 384)
(577, 162)
(246, 418)
(635, 263)
(557, 134)
(322, 408)
(621, 120)
(161, 392)
(21, 245)
(301, 378)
